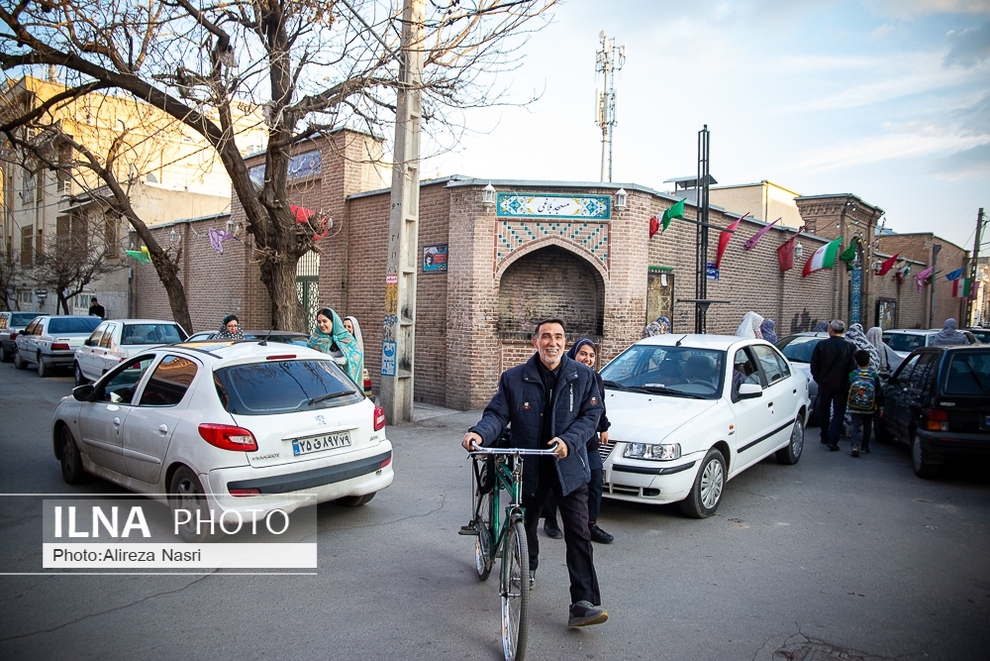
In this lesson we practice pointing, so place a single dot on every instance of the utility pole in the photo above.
(973, 270)
(399, 331)
(701, 273)
(931, 295)
(610, 59)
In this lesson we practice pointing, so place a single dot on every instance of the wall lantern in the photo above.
(173, 236)
(488, 196)
(620, 199)
(798, 251)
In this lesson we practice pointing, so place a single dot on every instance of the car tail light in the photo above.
(13, 336)
(60, 346)
(385, 462)
(379, 418)
(936, 420)
(228, 437)
(245, 492)
(281, 356)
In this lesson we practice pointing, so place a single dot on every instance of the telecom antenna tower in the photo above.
(610, 59)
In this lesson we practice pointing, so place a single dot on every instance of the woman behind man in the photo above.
(331, 337)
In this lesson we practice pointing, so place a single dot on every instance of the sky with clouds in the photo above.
(886, 99)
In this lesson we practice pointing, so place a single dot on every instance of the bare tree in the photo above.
(9, 276)
(313, 66)
(83, 249)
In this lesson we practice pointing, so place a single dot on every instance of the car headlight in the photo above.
(662, 452)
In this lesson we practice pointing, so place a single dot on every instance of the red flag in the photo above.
(723, 239)
(887, 265)
(654, 226)
(302, 214)
(785, 253)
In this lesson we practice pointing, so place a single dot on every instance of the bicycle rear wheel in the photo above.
(515, 592)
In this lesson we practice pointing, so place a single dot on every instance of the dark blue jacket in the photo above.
(519, 401)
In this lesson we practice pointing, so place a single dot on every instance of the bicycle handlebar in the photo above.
(479, 449)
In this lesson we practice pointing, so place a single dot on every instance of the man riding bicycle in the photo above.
(552, 400)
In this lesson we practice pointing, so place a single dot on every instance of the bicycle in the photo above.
(495, 470)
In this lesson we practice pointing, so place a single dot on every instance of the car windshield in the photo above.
(666, 370)
(284, 387)
(798, 348)
(150, 334)
(968, 373)
(73, 325)
(905, 342)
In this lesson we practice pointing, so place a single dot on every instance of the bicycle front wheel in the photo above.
(515, 592)
(483, 541)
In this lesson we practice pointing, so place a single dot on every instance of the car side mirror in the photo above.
(83, 393)
(88, 342)
(749, 391)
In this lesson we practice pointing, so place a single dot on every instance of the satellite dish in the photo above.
(601, 35)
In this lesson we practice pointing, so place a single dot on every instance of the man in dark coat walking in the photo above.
(552, 401)
(831, 362)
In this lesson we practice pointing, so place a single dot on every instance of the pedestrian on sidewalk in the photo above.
(551, 401)
(865, 402)
(831, 362)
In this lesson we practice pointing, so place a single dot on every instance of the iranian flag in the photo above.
(960, 288)
(824, 258)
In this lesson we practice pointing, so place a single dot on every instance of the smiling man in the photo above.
(552, 401)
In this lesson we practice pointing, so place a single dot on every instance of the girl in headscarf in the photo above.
(821, 327)
(330, 337)
(230, 330)
(750, 326)
(949, 335)
(659, 327)
(856, 335)
(767, 331)
(354, 328)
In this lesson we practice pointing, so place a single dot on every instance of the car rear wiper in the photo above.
(330, 395)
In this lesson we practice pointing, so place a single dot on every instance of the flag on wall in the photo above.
(849, 254)
(751, 243)
(785, 252)
(887, 265)
(824, 258)
(960, 288)
(954, 275)
(903, 273)
(723, 239)
(676, 211)
(920, 278)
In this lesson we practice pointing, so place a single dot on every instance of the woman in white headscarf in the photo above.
(354, 328)
(750, 326)
(857, 336)
(875, 336)
(950, 335)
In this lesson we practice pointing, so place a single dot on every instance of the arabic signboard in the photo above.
(549, 205)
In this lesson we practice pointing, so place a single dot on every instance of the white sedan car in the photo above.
(216, 426)
(690, 412)
(116, 340)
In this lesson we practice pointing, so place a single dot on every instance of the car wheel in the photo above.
(792, 452)
(355, 501)
(72, 468)
(79, 378)
(186, 493)
(18, 361)
(43, 369)
(921, 460)
(706, 494)
(5, 355)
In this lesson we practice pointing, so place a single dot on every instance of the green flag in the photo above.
(849, 254)
(676, 211)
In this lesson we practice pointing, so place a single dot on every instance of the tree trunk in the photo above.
(168, 273)
(279, 277)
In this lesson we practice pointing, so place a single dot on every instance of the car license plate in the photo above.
(340, 439)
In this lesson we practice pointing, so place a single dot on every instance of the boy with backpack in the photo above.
(865, 400)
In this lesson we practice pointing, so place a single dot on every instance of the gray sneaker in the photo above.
(532, 579)
(584, 614)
